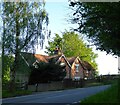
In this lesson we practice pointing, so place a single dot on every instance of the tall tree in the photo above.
(100, 22)
(23, 28)
(72, 45)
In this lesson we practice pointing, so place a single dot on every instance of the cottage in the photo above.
(75, 68)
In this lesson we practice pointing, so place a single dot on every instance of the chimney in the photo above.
(57, 51)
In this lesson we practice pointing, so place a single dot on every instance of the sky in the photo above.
(59, 14)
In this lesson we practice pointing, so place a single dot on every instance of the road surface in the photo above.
(66, 97)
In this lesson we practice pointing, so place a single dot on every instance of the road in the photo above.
(65, 97)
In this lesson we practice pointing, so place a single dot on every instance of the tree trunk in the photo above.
(3, 49)
(15, 65)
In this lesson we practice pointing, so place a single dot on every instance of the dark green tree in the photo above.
(100, 22)
(46, 72)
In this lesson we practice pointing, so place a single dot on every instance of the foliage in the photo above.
(46, 72)
(23, 24)
(100, 22)
(23, 27)
(8, 61)
(72, 45)
(53, 44)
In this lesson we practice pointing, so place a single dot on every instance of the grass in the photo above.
(108, 96)
(105, 82)
(6, 93)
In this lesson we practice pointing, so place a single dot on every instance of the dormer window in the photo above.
(77, 67)
(35, 64)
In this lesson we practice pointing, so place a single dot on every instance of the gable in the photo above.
(79, 61)
(63, 59)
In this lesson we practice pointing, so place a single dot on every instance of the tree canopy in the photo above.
(100, 22)
(23, 26)
(71, 45)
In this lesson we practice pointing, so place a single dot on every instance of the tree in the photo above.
(46, 72)
(53, 44)
(72, 45)
(22, 29)
(100, 22)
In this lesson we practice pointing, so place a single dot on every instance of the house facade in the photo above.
(76, 69)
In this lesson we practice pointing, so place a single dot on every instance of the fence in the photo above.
(56, 85)
(67, 83)
(46, 86)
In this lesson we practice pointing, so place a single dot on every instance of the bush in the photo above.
(46, 72)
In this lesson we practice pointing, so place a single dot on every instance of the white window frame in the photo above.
(77, 67)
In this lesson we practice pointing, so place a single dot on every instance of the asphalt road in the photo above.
(66, 97)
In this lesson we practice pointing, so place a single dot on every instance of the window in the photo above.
(87, 72)
(62, 63)
(77, 67)
(35, 64)
(76, 78)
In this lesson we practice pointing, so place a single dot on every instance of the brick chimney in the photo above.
(57, 51)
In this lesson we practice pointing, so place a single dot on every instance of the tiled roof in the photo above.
(87, 65)
(42, 58)
(45, 58)
(71, 60)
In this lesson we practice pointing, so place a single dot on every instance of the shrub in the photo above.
(46, 72)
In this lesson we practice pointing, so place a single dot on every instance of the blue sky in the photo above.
(58, 15)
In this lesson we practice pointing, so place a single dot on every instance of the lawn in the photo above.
(108, 96)
(6, 93)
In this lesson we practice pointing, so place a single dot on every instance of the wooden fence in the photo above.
(56, 85)
(66, 83)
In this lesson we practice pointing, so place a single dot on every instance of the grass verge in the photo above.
(108, 96)
(6, 93)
